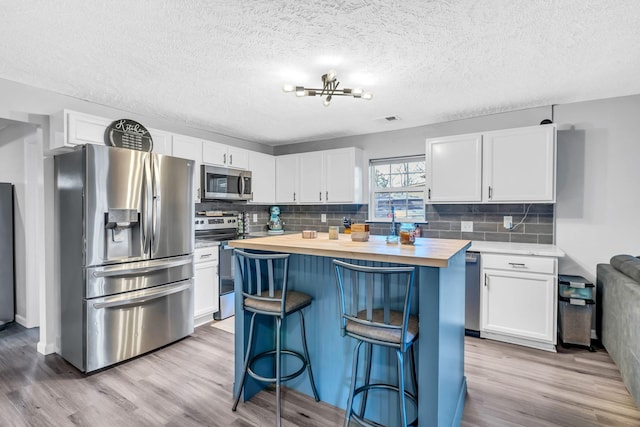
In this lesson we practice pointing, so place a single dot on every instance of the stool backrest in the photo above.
(262, 275)
(363, 289)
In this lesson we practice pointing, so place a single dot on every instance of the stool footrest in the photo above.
(283, 378)
(380, 386)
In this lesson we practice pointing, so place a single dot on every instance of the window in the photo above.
(400, 183)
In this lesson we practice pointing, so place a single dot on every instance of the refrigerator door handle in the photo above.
(156, 199)
(116, 272)
(147, 200)
(142, 299)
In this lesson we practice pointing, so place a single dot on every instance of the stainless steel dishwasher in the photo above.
(472, 294)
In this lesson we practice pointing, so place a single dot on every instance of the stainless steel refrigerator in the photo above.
(126, 253)
(7, 281)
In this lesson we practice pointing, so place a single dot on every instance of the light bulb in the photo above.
(356, 92)
(331, 75)
(327, 101)
(367, 95)
(288, 88)
(300, 91)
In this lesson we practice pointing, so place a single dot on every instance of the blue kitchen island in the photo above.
(439, 298)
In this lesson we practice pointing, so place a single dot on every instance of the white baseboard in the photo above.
(21, 320)
(47, 348)
(202, 319)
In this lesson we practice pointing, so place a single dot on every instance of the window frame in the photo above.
(374, 189)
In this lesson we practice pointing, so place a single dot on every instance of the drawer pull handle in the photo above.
(518, 264)
(205, 256)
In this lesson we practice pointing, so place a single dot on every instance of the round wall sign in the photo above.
(126, 133)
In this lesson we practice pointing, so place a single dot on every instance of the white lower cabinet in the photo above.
(519, 300)
(205, 295)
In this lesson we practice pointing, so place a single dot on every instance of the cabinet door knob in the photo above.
(489, 191)
(429, 194)
(230, 159)
(326, 196)
(320, 195)
(224, 158)
(294, 196)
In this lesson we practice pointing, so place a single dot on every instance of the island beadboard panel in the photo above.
(444, 221)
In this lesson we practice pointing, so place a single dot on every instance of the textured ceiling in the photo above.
(220, 65)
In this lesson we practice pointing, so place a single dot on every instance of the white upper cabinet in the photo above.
(287, 179)
(343, 175)
(507, 166)
(70, 128)
(214, 153)
(190, 148)
(238, 158)
(311, 177)
(330, 176)
(161, 142)
(454, 169)
(520, 165)
(263, 177)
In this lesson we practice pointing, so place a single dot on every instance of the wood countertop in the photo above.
(425, 252)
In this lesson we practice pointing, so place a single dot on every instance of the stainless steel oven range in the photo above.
(221, 229)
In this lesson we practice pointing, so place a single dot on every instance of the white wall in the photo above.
(598, 198)
(14, 140)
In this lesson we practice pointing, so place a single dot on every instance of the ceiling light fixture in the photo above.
(329, 89)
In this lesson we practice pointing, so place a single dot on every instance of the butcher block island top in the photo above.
(425, 252)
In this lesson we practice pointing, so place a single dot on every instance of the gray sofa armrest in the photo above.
(619, 308)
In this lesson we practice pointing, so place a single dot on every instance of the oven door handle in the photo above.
(138, 270)
(142, 299)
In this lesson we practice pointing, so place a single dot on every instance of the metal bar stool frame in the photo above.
(349, 325)
(250, 266)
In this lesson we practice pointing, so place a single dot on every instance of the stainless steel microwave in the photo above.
(220, 183)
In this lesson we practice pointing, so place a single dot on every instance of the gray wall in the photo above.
(18, 101)
(444, 220)
(598, 174)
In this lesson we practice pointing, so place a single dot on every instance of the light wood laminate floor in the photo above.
(189, 384)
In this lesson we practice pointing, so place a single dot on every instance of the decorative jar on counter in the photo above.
(407, 233)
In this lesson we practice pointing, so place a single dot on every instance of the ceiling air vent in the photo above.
(392, 118)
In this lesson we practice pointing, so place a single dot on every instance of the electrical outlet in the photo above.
(323, 217)
(255, 217)
(508, 222)
(466, 226)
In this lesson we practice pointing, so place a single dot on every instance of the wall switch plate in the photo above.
(508, 222)
(466, 226)
(255, 217)
(323, 217)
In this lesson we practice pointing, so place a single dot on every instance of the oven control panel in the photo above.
(214, 223)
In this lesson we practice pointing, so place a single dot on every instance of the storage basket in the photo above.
(574, 287)
(574, 321)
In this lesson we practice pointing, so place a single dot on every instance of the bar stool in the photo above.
(264, 291)
(374, 308)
